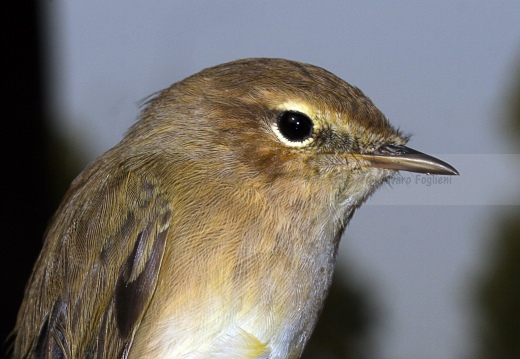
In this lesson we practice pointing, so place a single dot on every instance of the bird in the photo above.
(211, 229)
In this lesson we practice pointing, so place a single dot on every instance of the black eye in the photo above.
(295, 126)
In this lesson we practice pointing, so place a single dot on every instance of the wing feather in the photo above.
(97, 271)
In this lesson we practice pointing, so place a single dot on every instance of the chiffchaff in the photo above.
(211, 230)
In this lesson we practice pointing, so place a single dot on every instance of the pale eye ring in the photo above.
(294, 128)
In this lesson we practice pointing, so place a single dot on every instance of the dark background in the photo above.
(26, 205)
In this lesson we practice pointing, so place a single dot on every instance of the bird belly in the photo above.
(233, 343)
(260, 303)
(273, 325)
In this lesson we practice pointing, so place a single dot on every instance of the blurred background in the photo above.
(427, 269)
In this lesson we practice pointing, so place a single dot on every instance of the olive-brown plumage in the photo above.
(211, 229)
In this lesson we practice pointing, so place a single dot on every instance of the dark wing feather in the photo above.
(132, 294)
(98, 269)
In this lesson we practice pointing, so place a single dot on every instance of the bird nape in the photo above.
(211, 229)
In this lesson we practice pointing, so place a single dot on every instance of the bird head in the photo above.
(295, 130)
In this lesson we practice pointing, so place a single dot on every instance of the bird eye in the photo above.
(295, 126)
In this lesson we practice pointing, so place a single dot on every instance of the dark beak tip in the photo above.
(447, 171)
(453, 172)
(439, 167)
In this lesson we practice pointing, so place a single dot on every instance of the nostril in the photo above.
(390, 150)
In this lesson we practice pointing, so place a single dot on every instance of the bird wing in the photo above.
(98, 270)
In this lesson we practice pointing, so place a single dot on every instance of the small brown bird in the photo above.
(211, 230)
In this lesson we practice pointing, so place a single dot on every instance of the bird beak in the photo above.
(402, 158)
